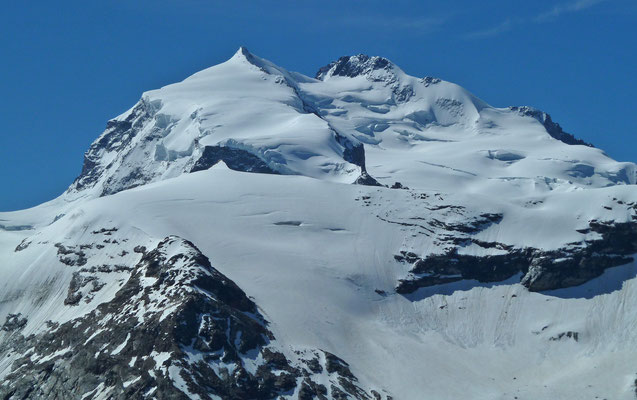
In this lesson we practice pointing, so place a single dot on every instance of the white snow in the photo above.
(128, 383)
(119, 348)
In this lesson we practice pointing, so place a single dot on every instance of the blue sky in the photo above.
(69, 66)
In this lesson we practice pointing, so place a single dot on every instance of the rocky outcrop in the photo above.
(366, 179)
(14, 322)
(177, 329)
(235, 159)
(553, 128)
(352, 66)
(71, 256)
(540, 269)
(117, 136)
(565, 335)
(576, 265)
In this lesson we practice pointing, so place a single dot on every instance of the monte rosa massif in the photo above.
(255, 233)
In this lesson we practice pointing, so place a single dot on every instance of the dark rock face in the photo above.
(176, 329)
(554, 129)
(353, 66)
(473, 225)
(440, 269)
(398, 185)
(70, 256)
(134, 178)
(574, 266)
(430, 80)
(355, 154)
(236, 159)
(566, 335)
(541, 270)
(367, 180)
(14, 322)
(23, 245)
(118, 135)
(79, 281)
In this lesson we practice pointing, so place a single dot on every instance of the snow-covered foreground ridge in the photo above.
(253, 233)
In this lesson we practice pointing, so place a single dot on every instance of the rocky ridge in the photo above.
(455, 228)
(177, 329)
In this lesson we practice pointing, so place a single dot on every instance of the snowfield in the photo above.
(321, 257)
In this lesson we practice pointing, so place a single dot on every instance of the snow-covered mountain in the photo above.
(251, 232)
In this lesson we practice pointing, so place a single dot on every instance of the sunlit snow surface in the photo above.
(425, 133)
(316, 252)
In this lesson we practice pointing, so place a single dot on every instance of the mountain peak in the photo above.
(352, 66)
(244, 54)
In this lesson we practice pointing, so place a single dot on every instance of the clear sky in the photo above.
(69, 66)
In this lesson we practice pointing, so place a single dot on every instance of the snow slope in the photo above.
(318, 255)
